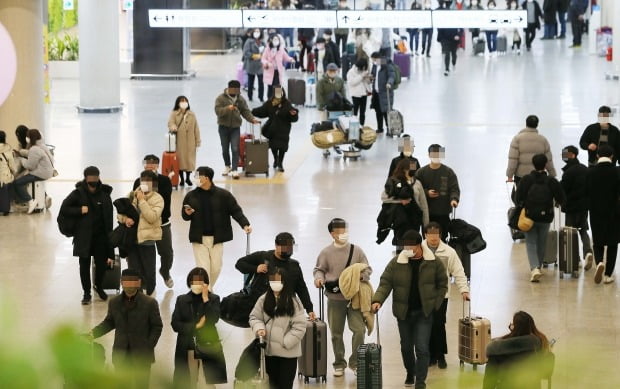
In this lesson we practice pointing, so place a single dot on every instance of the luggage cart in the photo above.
(349, 151)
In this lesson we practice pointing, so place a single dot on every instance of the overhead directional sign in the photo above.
(288, 18)
(385, 19)
(176, 18)
(480, 19)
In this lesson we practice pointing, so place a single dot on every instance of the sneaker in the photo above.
(536, 274)
(100, 292)
(589, 259)
(86, 299)
(31, 206)
(574, 46)
(608, 279)
(441, 363)
(598, 276)
(48, 202)
(281, 169)
(189, 183)
(338, 372)
(354, 370)
(409, 381)
(235, 175)
(226, 171)
(169, 282)
(447, 72)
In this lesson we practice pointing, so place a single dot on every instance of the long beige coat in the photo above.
(188, 137)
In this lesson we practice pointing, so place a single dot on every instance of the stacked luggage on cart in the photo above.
(342, 128)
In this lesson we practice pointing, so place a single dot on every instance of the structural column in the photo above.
(99, 56)
(616, 35)
(24, 103)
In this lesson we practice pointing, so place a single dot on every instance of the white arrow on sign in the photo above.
(288, 18)
(207, 18)
(384, 19)
(480, 19)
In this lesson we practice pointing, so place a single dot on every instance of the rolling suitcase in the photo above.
(112, 276)
(403, 61)
(261, 381)
(313, 360)
(37, 192)
(171, 142)
(369, 371)
(569, 252)
(474, 336)
(256, 159)
(297, 91)
(170, 167)
(502, 44)
(5, 200)
(242, 139)
(551, 248)
(479, 47)
(394, 121)
(310, 94)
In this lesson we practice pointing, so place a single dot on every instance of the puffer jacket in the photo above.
(358, 85)
(326, 87)
(284, 333)
(228, 118)
(433, 284)
(150, 209)
(527, 143)
(39, 161)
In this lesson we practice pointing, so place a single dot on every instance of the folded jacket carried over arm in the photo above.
(355, 287)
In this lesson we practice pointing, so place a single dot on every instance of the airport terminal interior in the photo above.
(474, 113)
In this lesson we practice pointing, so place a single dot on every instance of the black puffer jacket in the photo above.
(574, 181)
(278, 128)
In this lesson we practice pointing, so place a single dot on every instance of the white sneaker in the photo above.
(536, 274)
(226, 171)
(31, 206)
(235, 175)
(339, 372)
(589, 259)
(609, 279)
(598, 276)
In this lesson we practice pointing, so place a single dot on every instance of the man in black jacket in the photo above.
(164, 246)
(603, 187)
(576, 207)
(600, 133)
(209, 209)
(91, 205)
(137, 324)
(267, 262)
(449, 39)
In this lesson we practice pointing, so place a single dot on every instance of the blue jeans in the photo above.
(19, 190)
(288, 33)
(415, 332)
(492, 40)
(562, 19)
(401, 4)
(550, 30)
(535, 243)
(229, 137)
(414, 39)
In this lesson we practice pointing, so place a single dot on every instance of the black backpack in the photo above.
(539, 200)
(69, 224)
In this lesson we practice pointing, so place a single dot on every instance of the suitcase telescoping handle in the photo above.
(468, 302)
(262, 358)
(377, 325)
(247, 244)
(321, 302)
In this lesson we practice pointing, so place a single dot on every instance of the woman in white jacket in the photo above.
(278, 316)
(451, 262)
(358, 83)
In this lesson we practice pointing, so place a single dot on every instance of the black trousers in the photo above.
(577, 27)
(274, 83)
(278, 156)
(449, 50)
(281, 372)
(359, 105)
(530, 34)
(142, 259)
(375, 102)
(306, 47)
(98, 251)
(612, 253)
(427, 40)
(438, 345)
(261, 86)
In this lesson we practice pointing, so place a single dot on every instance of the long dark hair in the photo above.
(284, 305)
(523, 324)
(178, 100)
(400, 172)
(21, 132)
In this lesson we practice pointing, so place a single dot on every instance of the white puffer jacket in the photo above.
(357, 85)
(39, 161)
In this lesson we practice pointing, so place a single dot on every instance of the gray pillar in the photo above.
(24, 104)
(99, 56)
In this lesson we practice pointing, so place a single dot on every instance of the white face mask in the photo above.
(183, 105)
(407, 253)
(407, 153)
(144, 188)
(196, 289)
(276, 286)
(256, 34)
(344, 237)
(27, 140)
(278, 94)
(327, 37)
(603, 119)
(275, 42)
(436, 160)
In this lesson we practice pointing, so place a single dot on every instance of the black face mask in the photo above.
(286, 254)
(95, 184)
(412, 173)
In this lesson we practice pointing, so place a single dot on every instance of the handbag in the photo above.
(334, 286)
(525, 223)
(266, 129)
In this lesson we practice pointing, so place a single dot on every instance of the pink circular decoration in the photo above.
(8, 64)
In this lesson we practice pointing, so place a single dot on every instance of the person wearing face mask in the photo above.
(7, 174)
(330, 84)
(89, 205)
(331, 53)
(150, 206)
(454, 268)
(164, 246)
(278, 128)
(474, 5)
(278, 318)
(597, 134)
(330, 264)
(358, 82)
(441, 186)
(420, 284)
(230, 107)
(574, 181)
(278, 260)
(273, 59)
(305, 36)
(406, 146)
(193, 319)
(183, 123)
(534, 14)
(252, 64)
(382, 76)
(209, 208)
(137, 326)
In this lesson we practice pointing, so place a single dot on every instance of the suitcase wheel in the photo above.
(475, 367)
(324, 379)
(306, 380)
(575, 274)
(462, 365)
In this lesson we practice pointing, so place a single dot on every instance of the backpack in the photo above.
(6, 175)
(69, 224)
(539, 200)
(397, 75)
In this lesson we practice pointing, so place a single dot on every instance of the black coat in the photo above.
(100, 203)
(184, 320)
(556, 189)
(563, 5)
(396, 160)
(574, 185)
(123, 237)
(603, 185)
(223, 205)
(137, 328)
(164, 188)
(446, 35)
(550, 10)
(537, 12)
(592, 134)
(294, 275)
(332, 55)
(278, 128)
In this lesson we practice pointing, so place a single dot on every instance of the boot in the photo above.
(182, 182)
(189, 182)
(280, 159)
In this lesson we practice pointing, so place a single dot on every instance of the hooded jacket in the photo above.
(433, 284)
(39, 161)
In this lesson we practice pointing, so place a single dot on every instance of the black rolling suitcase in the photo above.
(112, 276)
(256, 155)
(313, 360)
(5, 199)
(569, 251)
(369, 374)
(297, 91)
